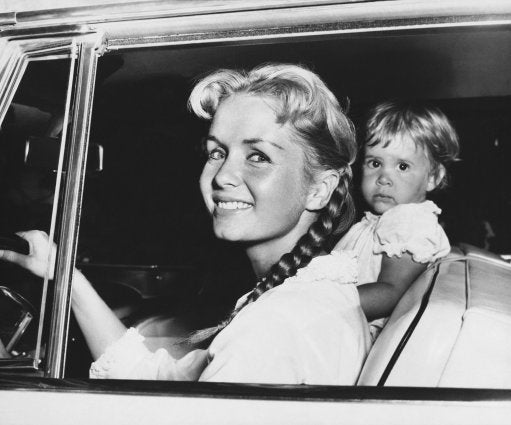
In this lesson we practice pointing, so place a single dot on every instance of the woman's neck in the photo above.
(264, 255)
(261, 260)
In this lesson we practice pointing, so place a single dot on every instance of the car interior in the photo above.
(145, 240)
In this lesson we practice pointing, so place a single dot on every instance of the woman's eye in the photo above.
(258, 157)
(216, 154)
(403, 166)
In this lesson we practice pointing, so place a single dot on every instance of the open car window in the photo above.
(145, 239)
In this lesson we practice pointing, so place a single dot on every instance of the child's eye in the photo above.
(215, 154)
(258, 157)
(403, 166)
(373, 163)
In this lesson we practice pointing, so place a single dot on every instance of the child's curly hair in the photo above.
(426, 126)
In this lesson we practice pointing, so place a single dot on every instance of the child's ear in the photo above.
(322, 189)
(435, 178)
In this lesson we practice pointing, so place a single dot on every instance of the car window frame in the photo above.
(15, 57)
(81, 49)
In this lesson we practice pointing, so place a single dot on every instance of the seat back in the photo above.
(447, 325)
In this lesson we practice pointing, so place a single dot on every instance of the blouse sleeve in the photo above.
(129, 358)
(412, 228)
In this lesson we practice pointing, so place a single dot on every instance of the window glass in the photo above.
(30, 142)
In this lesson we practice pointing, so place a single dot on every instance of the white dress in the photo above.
(411, 228)
(308, 330)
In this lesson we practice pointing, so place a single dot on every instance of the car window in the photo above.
(31, 169)
(145, 239)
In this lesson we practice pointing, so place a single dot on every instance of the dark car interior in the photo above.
(145, 240)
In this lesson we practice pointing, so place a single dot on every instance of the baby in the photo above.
(406, 150)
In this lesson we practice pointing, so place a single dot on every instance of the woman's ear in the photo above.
(322, 189)
(435, 178)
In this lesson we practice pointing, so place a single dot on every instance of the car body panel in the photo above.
(130, 402)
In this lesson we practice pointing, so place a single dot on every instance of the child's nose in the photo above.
(228, 174)
(384, 178)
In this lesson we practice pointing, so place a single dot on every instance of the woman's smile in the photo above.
(232, 205)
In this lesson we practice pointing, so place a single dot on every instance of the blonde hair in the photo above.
(317, 121)
(426, 126)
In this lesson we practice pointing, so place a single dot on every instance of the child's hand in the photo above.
(41, 251)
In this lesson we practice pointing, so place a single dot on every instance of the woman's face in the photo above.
(399, 173)
(254, 182)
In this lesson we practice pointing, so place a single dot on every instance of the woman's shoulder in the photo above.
(312, 288)
(338, 266)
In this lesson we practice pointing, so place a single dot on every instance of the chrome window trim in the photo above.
(87, 54)
(161, 22)
(14, 58)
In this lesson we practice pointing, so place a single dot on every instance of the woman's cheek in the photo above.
(205, 184)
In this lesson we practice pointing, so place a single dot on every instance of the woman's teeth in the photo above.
(234, 205)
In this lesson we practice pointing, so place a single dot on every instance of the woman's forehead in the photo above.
(248, 117)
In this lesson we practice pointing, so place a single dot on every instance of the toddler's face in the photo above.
(399, 173)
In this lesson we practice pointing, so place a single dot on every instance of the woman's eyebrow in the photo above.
(259, 140)
(211, 138)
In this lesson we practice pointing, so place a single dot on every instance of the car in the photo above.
(98, 150)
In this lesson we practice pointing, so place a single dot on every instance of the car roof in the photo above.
(40, 5)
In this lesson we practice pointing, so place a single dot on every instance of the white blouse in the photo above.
(308, 330)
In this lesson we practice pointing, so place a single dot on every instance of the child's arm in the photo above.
(378, 299)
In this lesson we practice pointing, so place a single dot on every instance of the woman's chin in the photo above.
(229, 235)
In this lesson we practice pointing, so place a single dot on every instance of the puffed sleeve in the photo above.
(129, 358)
(412, 228)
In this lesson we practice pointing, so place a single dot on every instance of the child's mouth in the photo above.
(383, 197)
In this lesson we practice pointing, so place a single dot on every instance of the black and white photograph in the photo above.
(255, 212)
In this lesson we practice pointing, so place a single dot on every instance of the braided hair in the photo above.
(318, 123)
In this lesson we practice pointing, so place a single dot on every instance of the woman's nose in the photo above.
(228, 174)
